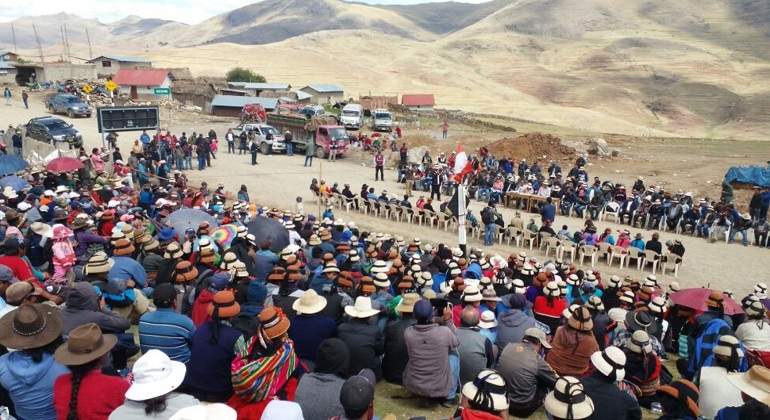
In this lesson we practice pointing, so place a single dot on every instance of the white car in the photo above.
(382, 120)
(352, 116)
(276, 145)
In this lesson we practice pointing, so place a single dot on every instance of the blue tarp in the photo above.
(753, 175)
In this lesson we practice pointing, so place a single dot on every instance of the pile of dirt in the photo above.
(532, 146)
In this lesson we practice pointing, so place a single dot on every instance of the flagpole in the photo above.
(461, 231)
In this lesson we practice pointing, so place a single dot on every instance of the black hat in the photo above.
(641, 320)
(164, 294)
(333, 357)
(357, 393)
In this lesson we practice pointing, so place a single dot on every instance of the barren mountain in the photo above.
(652, 67)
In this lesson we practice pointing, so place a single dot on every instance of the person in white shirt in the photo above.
(715, 390)
(754, 333)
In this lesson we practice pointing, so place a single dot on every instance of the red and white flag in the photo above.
(462, 166)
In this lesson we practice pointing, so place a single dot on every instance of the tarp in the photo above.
(753, 175)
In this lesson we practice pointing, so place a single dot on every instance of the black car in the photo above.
(54, 130)
(65, 103)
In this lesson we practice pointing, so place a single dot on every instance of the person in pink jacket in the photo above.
(63, 254)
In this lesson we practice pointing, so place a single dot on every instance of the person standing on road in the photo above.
(309, 152)
(253, 147)
(332, 150)
(444, 129)
(230, 138)
(243, 141)
(435, 185)
(379, 165)
(201, 149)
(489, 217)
(25, 98)
(17, 142)
(7, 95)
(288, 139)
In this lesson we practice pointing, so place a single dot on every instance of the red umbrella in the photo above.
(696, 299)
(64, 164)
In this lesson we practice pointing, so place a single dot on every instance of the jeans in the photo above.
(702, 230)
(201, 162)
(309, 159)
(760, 238)
(188, 162)
(17, 150)
(454, 368)
(435, 191)
(289, 148)
(379, 170)
(180, 164)
(489, 234)
(230, 147)
(253, 157)
(744, 236)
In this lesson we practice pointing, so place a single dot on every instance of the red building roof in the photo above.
(418, 100)
(140, 77)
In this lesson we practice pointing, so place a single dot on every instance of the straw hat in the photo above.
(715, 300)
(755, 309)
(123, 247)
(381, 280)
(568, 400)
(85, 344)
(407, 303)
(657, 305)
(274, 322)
(487, 391)
(754, 383)
(471, 294)
(641, 320)
(760, 289)
(614, 281)
(379, 266)
(610, 362)
(573, 280)
(41, 229)
(425, 279)
(30, 326)
(173, 251)
(155, 375)
(595, 303)
(98, 263)
(224, 305)
(627, 296)
(487, 320)
(552, 289)
(639, 341)
(362, 308)
(185, 272)
(683, 390)
(227, 260)
(580, 319)
(727, 346)
(314, 240)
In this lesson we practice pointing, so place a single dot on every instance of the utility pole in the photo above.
(90, 49)
(63, 44)
(13, 35)
(67, 44)
(39, 46)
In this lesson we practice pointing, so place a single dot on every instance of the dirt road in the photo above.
(277, 180)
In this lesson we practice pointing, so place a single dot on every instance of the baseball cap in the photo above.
(164, 293)
(539, 335)
(17, 292)
(357, 393)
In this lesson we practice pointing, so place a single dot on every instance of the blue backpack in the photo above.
(702, 346)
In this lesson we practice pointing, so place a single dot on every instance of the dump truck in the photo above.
(324, 129)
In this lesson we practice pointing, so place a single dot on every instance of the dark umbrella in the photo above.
(696, 299)
(182, 219)
(265, 229)
(10, 164)
(64, 164)
(14, 182)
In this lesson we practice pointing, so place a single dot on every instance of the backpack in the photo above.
(487, 217)
(702, 345)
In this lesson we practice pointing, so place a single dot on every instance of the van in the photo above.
(352, 116)
(382, 120)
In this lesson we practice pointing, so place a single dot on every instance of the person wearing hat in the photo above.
(471, 298)
(527, 375)
(754, 386)
(310, 326)
(318, 391)
(364, 339)
(643, 366)
(357, 396)
(568, 400)
(475, 350)
(152, 392)
(512, 324)
(85, 392)
(607, 369)
(573, 344)
(549, 305)
(28, 374)
(715, 390)
(640, 320)
(264, 260)
(488, 326)
(268, 368)
(214, 346)
(396, 355)
(433, 368)
(679, 400)
(484, 396)
(86, 235)
(39, 246)
(754, 333)
(201, 307)
(165, 329)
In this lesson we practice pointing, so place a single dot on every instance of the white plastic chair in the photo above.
(611, 209)
(616, 252)
(528, 236)
(588, 251)
(568, 247)
(669, 262)
(637, 254)
(554, 244)
(651, 257)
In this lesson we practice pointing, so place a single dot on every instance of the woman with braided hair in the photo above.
(86, 393)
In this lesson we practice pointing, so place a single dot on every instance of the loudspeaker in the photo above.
(127, 118)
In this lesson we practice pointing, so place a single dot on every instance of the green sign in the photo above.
(162, 91)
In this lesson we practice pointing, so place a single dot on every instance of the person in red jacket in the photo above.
(86, 393)
(548, 307)
(200, 310)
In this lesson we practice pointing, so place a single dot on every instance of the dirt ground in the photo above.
(694, 165)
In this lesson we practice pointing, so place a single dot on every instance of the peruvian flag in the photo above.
(462, 166)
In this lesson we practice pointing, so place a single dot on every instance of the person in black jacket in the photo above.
(654, 244)
(396, 354)
(609, 401)
(363, 337)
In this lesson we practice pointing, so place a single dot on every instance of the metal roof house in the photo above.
(141, 83)
(322, 93)
(109, 65)
(231, 105)
(418, 102)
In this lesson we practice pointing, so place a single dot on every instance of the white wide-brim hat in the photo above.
(557, 408)
(612, 358)
(155, 375)
(362, 308)
(309, 303)
(217, 411)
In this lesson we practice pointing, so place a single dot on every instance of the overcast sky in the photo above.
(188, 11)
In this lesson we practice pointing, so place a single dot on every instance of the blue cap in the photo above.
(166, 234)
(256, 293)
(423, 309)
(220, 281)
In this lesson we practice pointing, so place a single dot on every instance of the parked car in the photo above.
(64, 103)
(382, 120)
(311, 111)
(54, 130)
(276, 145)
(325, 133)
(352, 116)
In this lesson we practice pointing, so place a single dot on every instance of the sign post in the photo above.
(166, 92)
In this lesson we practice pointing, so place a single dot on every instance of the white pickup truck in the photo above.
(382, 120)
(276, 145)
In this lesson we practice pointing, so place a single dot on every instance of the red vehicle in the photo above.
(324, 130)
